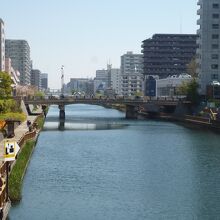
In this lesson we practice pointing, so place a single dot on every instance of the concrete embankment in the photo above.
(186, 120)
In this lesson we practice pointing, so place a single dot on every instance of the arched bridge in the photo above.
(132, 105)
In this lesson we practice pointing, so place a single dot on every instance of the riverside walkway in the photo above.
(20, 131)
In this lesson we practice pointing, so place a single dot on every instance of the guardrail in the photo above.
(3, 191)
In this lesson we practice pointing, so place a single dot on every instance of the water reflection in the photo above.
(62, 125)
(85, 117)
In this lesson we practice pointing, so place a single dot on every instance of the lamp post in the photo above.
(62, 80)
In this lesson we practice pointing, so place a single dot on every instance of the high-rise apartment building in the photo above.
(168, 54)
(19, 52)
(36, 78)
(208, 52)
(44, 81)
(2, 46)
(131, 74)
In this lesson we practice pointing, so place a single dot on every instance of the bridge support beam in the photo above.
(131, 112)
(62, 112)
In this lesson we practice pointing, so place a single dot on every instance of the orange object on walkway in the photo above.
(2, 124)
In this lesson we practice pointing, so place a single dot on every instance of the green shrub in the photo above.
(18, 171)
(14, 116)
(9, 105)
(40, 122)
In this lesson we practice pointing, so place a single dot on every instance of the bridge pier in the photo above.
(131, 112)
(62, 112)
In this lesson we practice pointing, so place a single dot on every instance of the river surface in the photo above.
(100, 166)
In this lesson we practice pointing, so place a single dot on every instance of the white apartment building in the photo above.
(19, 52)
(2, 46)
(115, 75)
(208, 52)
(131, 74)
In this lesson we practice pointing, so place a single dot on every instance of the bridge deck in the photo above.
(101, 101)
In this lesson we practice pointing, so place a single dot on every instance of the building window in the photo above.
(214, 66)
(215, 36)
(214, 76)
(215, 5)
(214, 56)
(215, 26)
(215, 46)
(215, 15)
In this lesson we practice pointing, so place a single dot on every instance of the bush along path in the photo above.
(18, 171)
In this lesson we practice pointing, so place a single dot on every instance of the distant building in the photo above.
(131, 74)
(168, 54)
(36, 78)
(101, 80)
(115, 78)
(168, 86)
(19, 52)
(44, 81)
(208, 52)
(80, 86)
(2, 46)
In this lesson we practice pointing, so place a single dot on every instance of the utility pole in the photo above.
(62, 79)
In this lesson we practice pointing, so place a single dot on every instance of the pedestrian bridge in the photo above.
(132, 105)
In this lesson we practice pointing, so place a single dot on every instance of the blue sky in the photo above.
(83, 35)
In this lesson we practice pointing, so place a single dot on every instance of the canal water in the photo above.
(100, 166)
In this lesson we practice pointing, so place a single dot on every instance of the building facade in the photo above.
(36, 78)
(2, 46)
(168, 87)
(115, 76)
(168, 54)
(44, 81)
(15, 75)
(80, 86)
(131, 74)
(208, 52)
(101, 80)
(19, 52)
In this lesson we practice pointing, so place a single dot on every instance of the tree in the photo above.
(190, 90)
(39, 94)
(191, 68)
(5, 85)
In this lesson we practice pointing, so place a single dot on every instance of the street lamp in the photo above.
(62, 79)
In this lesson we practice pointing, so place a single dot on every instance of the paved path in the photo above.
(19, 132)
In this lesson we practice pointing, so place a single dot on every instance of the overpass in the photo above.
(132, 105)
